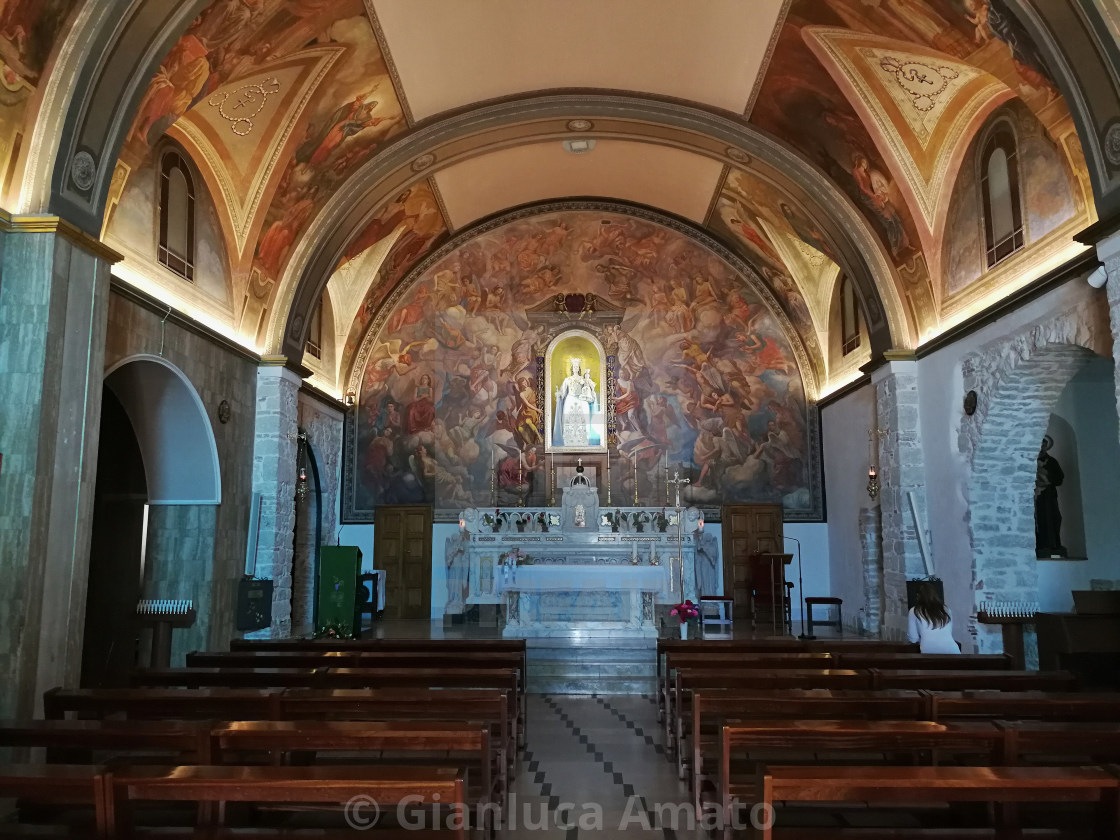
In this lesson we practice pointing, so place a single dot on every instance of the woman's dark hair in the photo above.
(929, 606)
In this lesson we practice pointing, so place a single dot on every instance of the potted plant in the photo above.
(687, 613)
(334, 630)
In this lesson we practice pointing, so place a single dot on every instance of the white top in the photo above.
(581, 578)
(933, 639)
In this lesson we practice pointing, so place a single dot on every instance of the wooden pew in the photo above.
(727, 662)
(182, 741)
(1039, 705)
(483, 705)
(943, 784)
(165, 703)
(784, 736)
(386, 787)
(782, 645)
(369, 658)
(964, 680)
(59, 784)
(710, 708)
(282, 739)
(1054, 740)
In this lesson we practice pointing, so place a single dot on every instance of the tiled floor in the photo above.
(595, 766)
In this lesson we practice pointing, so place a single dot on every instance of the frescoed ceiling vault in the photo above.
(341, 142)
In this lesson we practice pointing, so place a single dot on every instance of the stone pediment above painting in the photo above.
(565, 309)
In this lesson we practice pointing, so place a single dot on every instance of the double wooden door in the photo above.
(402, 547)
(748, 530)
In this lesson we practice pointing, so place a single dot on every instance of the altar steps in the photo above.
(591, 666)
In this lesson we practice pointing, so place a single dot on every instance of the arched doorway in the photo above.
(307, 538)
(1023, 390)
(158, 487)
(120, 517)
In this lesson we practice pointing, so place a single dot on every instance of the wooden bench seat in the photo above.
(60, 784)
(943, 784)
(963, 680)
(1041, 705)
(74, 741)
(334, 785)
(780, 738)
(283, 740)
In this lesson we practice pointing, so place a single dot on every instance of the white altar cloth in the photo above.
(587, 578)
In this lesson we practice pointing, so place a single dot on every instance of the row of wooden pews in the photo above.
(316, 735)
(889, 738)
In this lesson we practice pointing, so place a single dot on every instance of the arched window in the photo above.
(849, 318)
(999, 187)
(314, 344)
(176, 215)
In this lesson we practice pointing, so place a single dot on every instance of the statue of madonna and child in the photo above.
(575, 402)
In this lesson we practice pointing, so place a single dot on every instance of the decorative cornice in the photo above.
(300, 370)
(54, 224)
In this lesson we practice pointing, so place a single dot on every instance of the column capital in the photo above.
(278, 367)
(61, 227)
(905, 363)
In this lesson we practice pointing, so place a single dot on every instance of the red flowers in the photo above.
(685, 611)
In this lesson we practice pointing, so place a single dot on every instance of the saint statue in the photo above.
(1047, 516)
(574, 401)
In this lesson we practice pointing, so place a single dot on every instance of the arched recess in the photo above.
(1018, 382)
(417, 154)
(172, 429)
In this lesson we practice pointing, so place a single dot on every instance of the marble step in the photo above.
(591, 685)
(570, 668)
(585, 654)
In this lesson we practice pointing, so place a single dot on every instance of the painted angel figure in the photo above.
(574, 400)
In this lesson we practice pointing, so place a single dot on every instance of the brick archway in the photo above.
(1018, 381)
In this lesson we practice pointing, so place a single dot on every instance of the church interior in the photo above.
(513, 418)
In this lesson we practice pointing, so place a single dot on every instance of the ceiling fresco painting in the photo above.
(28, 30)
(280, 103)
(709, 378)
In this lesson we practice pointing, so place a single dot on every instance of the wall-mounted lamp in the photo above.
(303, 490)
(351, 399)
(872, 461)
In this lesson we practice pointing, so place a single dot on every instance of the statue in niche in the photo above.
(574, 400)
(1047, 516)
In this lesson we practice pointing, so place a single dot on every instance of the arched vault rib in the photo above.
(440, 143)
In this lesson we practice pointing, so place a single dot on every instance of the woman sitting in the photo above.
(930, 622)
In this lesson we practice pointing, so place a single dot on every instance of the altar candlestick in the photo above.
(634, 473)
(608, 472)
(520, 482)
(493, 480)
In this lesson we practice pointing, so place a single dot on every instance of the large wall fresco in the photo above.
(28, 31)
(710, 376)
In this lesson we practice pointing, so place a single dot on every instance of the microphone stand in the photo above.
(800, 591)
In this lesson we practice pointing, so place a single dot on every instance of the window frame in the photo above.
(313, 347)
(1001, 137)
(849, 306)
(181, 264)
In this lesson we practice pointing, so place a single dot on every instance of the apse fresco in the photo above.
(409, 226)
(350, 111)
(28, 31)
(706, 378)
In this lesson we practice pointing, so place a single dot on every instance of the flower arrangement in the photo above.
(661, 520)
(686, 611)
(515, 557)
(334, 630)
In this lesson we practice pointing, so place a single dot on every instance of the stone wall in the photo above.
(197, 551)
(1018, 380)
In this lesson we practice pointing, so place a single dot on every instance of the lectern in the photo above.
(770, 603)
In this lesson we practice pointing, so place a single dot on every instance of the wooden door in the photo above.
(402, 547)
(747, 530)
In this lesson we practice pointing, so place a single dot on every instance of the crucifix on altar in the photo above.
(678, 481)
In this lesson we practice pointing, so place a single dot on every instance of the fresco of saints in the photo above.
(574, 399)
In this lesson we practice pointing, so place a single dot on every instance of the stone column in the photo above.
(274, 478)
(871, 550)
(902, 486)
(54, 292)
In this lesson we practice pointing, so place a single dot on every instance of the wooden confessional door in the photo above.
(747, 530)
(402, 547)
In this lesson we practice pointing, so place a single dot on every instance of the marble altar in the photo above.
(579, 567)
